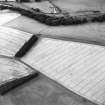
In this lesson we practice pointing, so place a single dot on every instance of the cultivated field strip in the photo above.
(13, 73)
(77, 66)
(12, 40)
(7, 17)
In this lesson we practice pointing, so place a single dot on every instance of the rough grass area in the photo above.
(52, 20)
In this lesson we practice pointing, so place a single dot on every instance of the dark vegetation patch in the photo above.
(52, 20)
